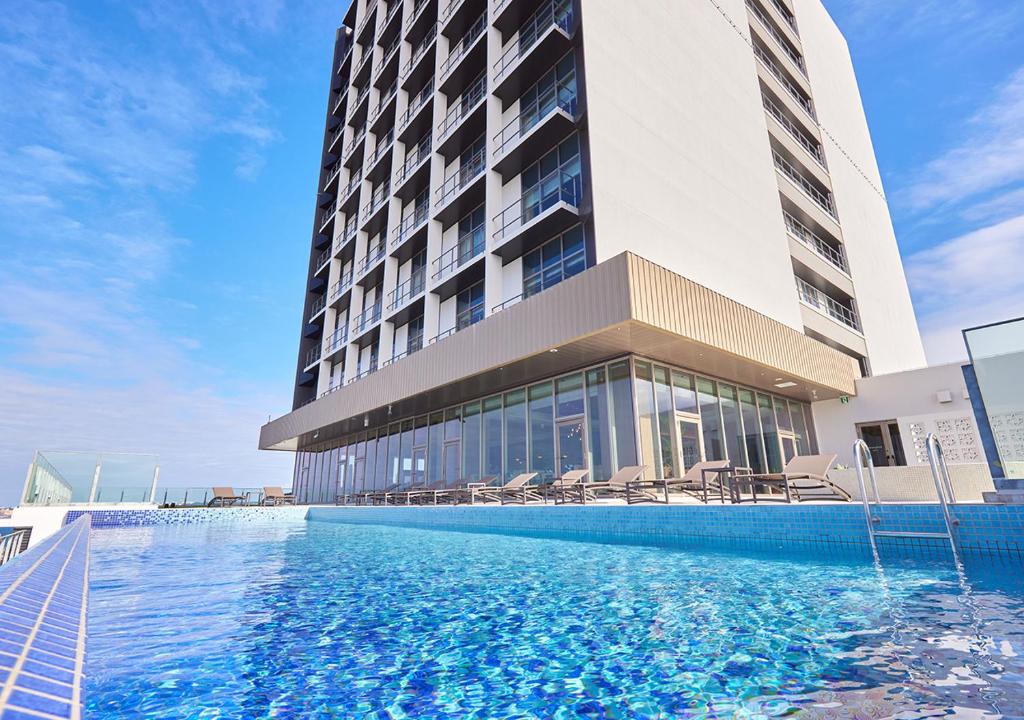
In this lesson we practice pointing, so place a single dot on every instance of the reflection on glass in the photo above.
(435, 440)
(572, 446)
(471, 432)
(666, 415)
(515, 433)
(623, 429)
(711, 421)
(542, 432)
(773, 453)
(598, 419)
(731, 425)
(648, 419)
(569, 394)
(492, 436)
(752, 432)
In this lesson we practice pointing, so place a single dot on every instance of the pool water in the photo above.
(325, 620)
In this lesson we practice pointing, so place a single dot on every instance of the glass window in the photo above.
(800, 429)
(569, 396)
(648, 420)
(782, 416)
(623, 426)
(555, 261)
(471, 442)
(405, 461)
(394, 457)
(598, 420)
(472, 234)
(732, 427)
(770, 431)
(370, 464)
(683, 393)
(419, 437)
(710, 420)
(542, 432)
(492, 437)
(452, 424)
(435, 434)
(515, 433)
(469, 306)
(381, 463)
(752, 432)
(666, 417)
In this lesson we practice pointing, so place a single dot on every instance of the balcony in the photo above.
(394, 10)
(333, 386)
(543, 211)
(326, 216)
(351, 191)
(345, 58)
(826, 251)
(376, 169)
(361, 72)
(413, 345)
(411, 177)
(453, 196)
(417, 70)
(317, 307)
(364, 370)
(470, 316)
(358, 111)
(340, 288)
(465, 58)
(416, 118)
(539, 126)
(786, 15)
(374, 255)
(408, 290)
(827, 305)
(465, 120)
(335, 342)
(458, 267)
(352, 151)
(378, 203)
(422, 18)
(459, 15)
(410, 228)
(348, 234)
(782, 43)
(332, 175)
(779, 76)
(338, 109)
(364, 31)
(384, 112)
(335, 138)
(323, 261)
(546, 35)
(792, 173)
(365, 320)
(812, 147)
(312, 358)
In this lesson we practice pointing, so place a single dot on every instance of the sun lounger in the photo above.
(804, 478)
(517, 485)
(703, 480)
(225, 496)
(276, 496)
(559, 485)
(615, 486)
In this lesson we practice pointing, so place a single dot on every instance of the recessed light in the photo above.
(786, 384)
(553, 350)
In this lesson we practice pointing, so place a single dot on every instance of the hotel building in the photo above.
(553, 234)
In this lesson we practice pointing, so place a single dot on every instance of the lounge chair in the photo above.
(519, 485)
(559, 485)
(276, 496)
(803, 478)
(225, 496)
(701, 481)
(618, 485)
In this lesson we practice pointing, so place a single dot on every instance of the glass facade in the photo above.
(625, 412)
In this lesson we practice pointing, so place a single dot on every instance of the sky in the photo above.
(158, 165)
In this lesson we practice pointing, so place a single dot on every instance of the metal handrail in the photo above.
(323, 258)
(468, 101)
(455, 257)
(805, 103)
(342, 285)
(532, 30)
(382, 147)
(317, 307)
(11, 545)
(408, 289)
(805, 235)
(413, 158)
(386, 97)
(786, 14)
(336, 340)
(530, 117)
(783, 44)
(354, 145)
(312, 356)
(812, 147)
(459, 50)
(463, 176)
(367, 317)
(823, 200)
(569, 190)
(332, 173)
(410, 224)
(373, 256)
(371, 13)
(820, 300)
(325, 217)
(418, 101)
(420, 50)
(417, 10)
(377, 199)
(339, 102)
(353, 184)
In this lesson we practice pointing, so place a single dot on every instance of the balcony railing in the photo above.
(823, 200)
(469, 246)
(786, 15)
(813, 148)
(336, 340)
(364, 61)
(420, 50)
(558, 186)
(413, 344)
(325, 217)
(413, 158)
(782, 43)
(531, 115)
(322, 259)
(462, 177)
(459, 49)
(379, 197)
(354, 145)
(363, 94)
(371, 12)
(334, 386)
(418, 101)
(339, 288)
(367, 318)
(317, 307)
(364, 370)
(383, 146)
(469, 99)
(338, 133)
(345, 57)
(470, 316)
(530, 32)
(393, 9)
(353, 185)
(417, 10)
(339, 103)
(384, 100)
(805, 235)
(350, 230)
(373, 256)
(411, 224)
(796, 93)
(332, 173)
(827, 305)
(312, 356)
(408, 289)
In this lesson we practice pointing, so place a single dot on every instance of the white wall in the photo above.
(883, 300)
(911, 399)
(674, 108)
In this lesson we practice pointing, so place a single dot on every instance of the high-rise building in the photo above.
(584, 233)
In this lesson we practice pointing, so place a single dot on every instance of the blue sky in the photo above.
(159, 165)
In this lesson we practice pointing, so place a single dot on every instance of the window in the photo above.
(435, 441)
(598, 418)
(414, 335)
(623, 426)
(569, 396)
(648, 419)
(471, 438)
(542, 432)
(666, 418)
(752, 432)
(557, 88)
(553, 178)
(469, 306)
(710, 420)
(732, 427)
(683, 394)
(773, 454)
(515, 433)
(471, 235)
(492, 440)
(553, 262)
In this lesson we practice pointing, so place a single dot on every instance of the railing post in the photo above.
(94, 490)
(152, 490)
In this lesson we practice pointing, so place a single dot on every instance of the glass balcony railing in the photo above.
(469, 99)
(821, 199)
(780, 41)
(557, 187)
(556, 13)
(458, 51)
(410, 225)
(824, 250)
(533, 113)
(826, 304)
(413, 158)
(416, 102)
(813, 148)
(468, 246)
(467, 172)
(408, 289)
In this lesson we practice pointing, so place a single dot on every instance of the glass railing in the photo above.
(420, 50)
(801, 232)
(413, 158)
(203, 496)
(467, 172)
(823, 200)
(813, 148)
(533, 113)
(469, 99)
(796, 93)
(459, 49)
(782, 43)
(408, 289)
(418, 101)
(826, 304)
(67, 478)
(336, 340)
(410, 225)
(469, 246)
(557, 187)
(556, 13)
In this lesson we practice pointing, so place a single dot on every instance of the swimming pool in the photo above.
(330, 620)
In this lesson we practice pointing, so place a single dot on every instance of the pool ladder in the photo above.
(943, 488)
